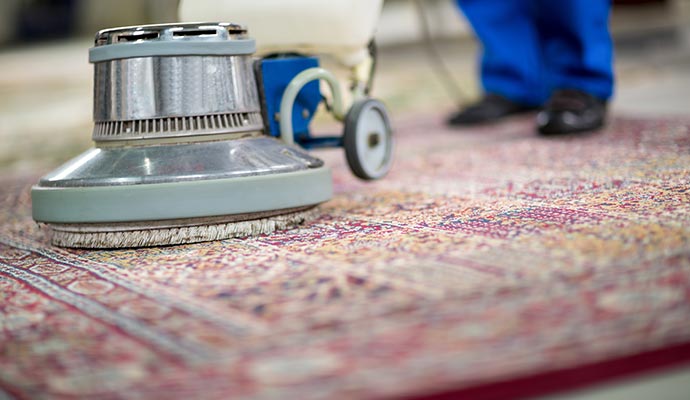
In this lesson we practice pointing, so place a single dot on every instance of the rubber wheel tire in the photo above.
(368, 140)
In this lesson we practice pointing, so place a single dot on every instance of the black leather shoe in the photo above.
(490, 108)
(571, 111)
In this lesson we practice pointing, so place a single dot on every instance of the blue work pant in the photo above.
(532, 47)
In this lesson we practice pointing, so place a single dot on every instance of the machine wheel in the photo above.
(368, 139)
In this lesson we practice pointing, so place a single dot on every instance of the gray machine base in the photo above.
(179, 200)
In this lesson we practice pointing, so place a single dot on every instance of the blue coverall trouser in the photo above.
(532, 47)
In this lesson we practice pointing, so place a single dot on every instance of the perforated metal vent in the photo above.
(170, 32)
(177, 126)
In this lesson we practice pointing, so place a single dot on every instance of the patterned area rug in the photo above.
(489, 255)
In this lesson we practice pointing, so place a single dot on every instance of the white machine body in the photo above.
(339, 28)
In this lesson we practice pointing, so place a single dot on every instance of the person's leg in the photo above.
(578, 56)
(511, 58)
(510, 67)
(577, 45)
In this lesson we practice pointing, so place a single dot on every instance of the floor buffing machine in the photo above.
(196, 139)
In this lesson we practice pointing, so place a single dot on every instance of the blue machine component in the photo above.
(367, 132)
(275, 74)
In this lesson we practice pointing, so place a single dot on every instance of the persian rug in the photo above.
(491, 263)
